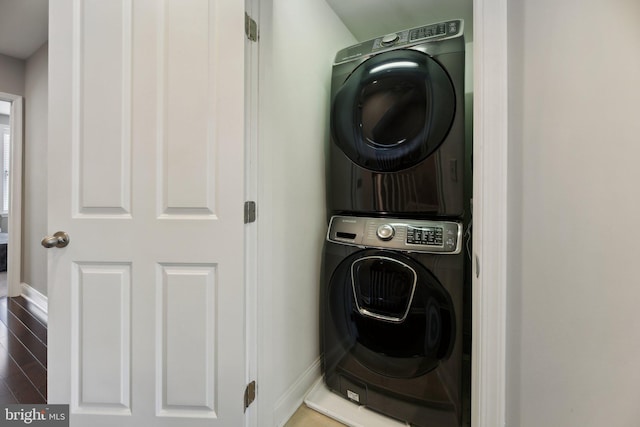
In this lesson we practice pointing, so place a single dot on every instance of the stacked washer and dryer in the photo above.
(393, 285)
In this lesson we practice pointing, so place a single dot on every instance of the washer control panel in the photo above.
(405, 38)
(399, 234)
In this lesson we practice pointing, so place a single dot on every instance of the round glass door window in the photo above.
(392, 313)
(393, 110)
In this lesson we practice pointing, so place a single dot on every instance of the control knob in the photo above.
(389, 39)
(385, 232)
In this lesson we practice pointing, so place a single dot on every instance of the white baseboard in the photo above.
(289, 402)
(34, 296)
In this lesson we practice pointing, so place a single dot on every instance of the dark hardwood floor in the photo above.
(23, 352)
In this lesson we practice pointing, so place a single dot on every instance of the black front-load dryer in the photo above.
(397, 125)
(391, 326)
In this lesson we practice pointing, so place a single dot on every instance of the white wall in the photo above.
(11, 75)
(574, 323)
(29, 79)
(297, 45)
(34, 260)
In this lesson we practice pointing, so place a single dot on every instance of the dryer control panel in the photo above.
(399, 234)
(402, 39)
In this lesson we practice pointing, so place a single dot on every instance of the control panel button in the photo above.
(451, 243)
(390, 39)
(385, 232)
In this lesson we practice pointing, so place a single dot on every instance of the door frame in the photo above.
(490, 149)
(490, 145)
(14, 247)
(252, 320)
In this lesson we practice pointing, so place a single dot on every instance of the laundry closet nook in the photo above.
(298, 47)
(566, 329)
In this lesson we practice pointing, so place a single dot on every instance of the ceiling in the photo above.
(24, 26)
(368, 19)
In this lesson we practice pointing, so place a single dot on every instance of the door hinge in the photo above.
(250, 28)
(249, 394)
(249, 212)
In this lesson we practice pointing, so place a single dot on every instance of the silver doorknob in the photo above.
(58, 240)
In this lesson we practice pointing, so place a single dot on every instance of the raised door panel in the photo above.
(101, 344)
(186, 339)
(187, 90)
(102, 70)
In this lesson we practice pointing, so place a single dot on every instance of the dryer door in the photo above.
(393, 111)
(395, 316)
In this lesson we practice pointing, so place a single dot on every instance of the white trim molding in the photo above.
(14, 248)
(488, 380)
(34, 296)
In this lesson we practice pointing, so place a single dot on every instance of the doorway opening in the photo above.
(23, 325)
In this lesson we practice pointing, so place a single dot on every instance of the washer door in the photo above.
(392, 313)
(393, 111)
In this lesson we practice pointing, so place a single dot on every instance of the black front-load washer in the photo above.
(391, 327)
(397, 125)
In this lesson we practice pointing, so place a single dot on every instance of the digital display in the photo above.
(430, 31)
(430, 236)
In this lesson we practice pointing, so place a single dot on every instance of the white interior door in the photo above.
(146, 169)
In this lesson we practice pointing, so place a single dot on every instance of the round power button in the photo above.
(389, 39)
(385, 232)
